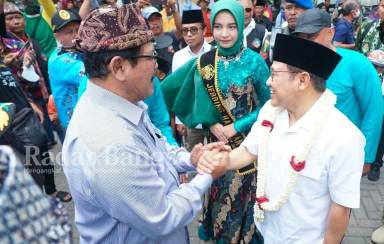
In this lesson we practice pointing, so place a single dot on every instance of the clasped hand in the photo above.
(211, 159)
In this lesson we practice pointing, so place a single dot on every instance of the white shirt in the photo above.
(332, 173)
(184, 55)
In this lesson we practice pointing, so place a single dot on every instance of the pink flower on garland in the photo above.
(267, 123)
(297, 166)
(260, 200)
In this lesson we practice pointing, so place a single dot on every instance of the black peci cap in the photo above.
(307, 55)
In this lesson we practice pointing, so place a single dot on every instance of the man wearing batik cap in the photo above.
(121, 172)
(309, 155)
(354, 81)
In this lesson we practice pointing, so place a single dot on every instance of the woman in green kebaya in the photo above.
(224, 90)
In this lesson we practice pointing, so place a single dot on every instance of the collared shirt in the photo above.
(184, 55)
(66, 72)
(370, 37)
(124, 177)
(332, 173)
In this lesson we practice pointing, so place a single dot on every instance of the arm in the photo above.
(261, 75)
(240, 157)
(344, 169)
(147, 202)
(85, 8)
(176, 16)
(349, 46)
(338, 219)
(237, 159)
(370, 100)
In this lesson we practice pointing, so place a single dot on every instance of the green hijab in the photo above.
(237, 11)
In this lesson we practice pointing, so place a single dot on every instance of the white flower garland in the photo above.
(326, 103)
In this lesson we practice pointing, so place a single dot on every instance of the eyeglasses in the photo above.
(153, 56)
(273, 72)
(248, 10)
(193, 30)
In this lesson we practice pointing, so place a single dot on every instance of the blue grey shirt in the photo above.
(123, 175)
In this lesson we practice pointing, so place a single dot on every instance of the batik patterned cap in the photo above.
(112, 29)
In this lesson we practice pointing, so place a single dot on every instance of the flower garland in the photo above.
(326, 103)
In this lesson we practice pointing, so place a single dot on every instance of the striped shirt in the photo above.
(123, 175)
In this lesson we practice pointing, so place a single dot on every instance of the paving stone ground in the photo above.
(363, 220)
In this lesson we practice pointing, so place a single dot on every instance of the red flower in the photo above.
(267, 123)
(297, 166)
(260, 200)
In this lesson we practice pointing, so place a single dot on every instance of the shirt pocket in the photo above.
(311, 181)
(312, 170)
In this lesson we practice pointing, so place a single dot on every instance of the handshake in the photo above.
(212, 158)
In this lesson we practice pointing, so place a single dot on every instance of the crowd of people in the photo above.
(258, 117)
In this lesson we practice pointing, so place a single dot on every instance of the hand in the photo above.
(27, 59)
(218, 131)
(143, 3)
(171, 5)
(181, 129)
(229, 131)
(10, 58)
(199, 149)
(213, 162)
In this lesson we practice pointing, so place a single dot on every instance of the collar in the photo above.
(204, 48)
(121, 106)
(250, 27)
(307, 120)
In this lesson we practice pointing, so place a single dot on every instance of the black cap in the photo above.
(307, 55)
(62, 18)
(312, 21)
(192, 16)
(260, 3)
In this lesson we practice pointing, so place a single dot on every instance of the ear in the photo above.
(117, 68)
(304, 81)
